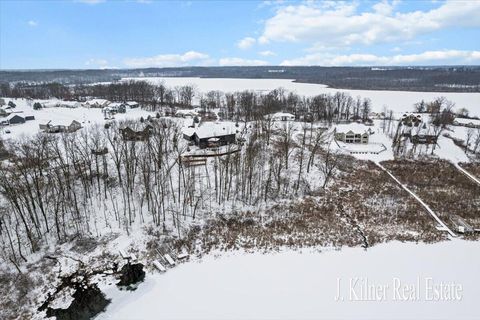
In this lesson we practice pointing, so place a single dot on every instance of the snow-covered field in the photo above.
(303, 285)
(399, 101)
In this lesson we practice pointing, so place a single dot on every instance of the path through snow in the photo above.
(468, 174)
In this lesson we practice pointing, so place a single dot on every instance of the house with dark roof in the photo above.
(210, 135)
(15, 119)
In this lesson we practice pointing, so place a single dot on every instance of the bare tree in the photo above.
(328, 165)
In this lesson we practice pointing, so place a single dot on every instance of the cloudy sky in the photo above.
(146, 33)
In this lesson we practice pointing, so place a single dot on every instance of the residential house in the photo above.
(213, 135)
(410, 122)
(282, 116)
(15, 119)
(186, 113)
(352, 133)
(128, 134)
(423, 135)
(116, 107)
(467, 122)
(61, 127)
(97, 103)
(132, 104)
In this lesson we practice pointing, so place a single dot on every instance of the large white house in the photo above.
(352, 133)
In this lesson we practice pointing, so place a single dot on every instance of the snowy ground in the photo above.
(296, 285)
(399, 101)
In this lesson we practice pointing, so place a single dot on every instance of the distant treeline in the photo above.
(439, 79)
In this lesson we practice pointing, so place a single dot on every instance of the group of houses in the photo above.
(103, 103)
(8, 115)
(16, 118)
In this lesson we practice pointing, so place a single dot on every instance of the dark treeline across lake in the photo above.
(439, 79)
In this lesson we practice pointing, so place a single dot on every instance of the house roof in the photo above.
(114, 104)
(282, 114)
(187, 112)
(97, 101)
(210, 130)
(62, 122)
(188, 131)
(132, 103)
(357, 128)
(13, 115)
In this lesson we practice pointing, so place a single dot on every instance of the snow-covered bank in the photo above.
(399, 101)
(294, 285)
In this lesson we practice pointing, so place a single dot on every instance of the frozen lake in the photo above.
(293, 285)
(399, 101)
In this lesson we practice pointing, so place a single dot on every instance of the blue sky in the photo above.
(130, 34)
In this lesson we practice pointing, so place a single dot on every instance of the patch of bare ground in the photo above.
(442, 186)
(363, 207)
(472, 167)
(382, 208)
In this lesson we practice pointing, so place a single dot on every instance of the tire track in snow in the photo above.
(465, 172)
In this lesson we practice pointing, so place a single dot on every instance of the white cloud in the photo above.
(241, 62)
(91, 1)
(246, 43)
(168, 60)
(440, 57)
(268, 3)
(99, 63)
(267, 53)
(32, 23)
(341, 23)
